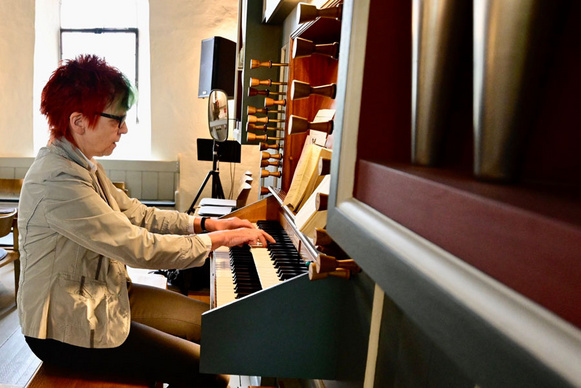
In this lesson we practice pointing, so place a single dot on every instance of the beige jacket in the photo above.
(77, 232)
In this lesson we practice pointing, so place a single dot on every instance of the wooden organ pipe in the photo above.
(325, 244)
(332, 250)
(308, 12)
(299, 124)
(304, 48)
(261, 127)
(266, 173)
(324, 166)
(252, 137)
(266, 163)
(270, 102)
(301, 89)
(268, 155)
(266, 146)
(322, 201)
(265, 120)
(322, 237)
(265, 82)
(255, 63)
(339, 272)
(326, 263)
(255, 92)
(253, 110)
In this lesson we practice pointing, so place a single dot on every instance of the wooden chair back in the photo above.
(10, 188)
(6, 221)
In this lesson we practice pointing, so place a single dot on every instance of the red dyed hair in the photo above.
(86, 84)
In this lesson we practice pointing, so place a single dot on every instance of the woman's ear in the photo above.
(78, 123)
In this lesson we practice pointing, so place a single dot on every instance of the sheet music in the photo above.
(218, 202)
(306, 175)
(324, 115)
(317, 137)
(214, 211)
(308, 218)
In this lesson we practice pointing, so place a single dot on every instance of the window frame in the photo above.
(130, 30)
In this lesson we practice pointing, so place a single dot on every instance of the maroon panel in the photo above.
(385, 116)
(553, 153)
(533, 252)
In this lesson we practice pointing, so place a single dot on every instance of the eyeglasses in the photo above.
(120, 119)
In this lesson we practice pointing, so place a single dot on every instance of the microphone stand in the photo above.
(217, 191)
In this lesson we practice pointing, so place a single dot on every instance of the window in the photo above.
(118, 46)
(117, 30)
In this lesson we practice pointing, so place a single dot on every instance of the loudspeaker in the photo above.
(217, 66)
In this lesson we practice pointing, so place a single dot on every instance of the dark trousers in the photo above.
(162, 344)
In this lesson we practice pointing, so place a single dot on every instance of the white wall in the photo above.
(179, 117)
(16, 74)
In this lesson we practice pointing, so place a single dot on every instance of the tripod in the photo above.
(217, 191)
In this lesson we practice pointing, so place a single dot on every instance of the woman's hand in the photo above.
(213, 225)
(234, 237)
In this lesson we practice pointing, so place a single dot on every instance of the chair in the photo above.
(10, 190)
(9, 253)
(122, 186)
(9, 195)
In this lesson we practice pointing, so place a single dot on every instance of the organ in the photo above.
(256, 92)
(451, 266)
(253, 110)
(300, 124)
(264, 120)
(253, 137)
(305, 47)
(268, 155)
(267, 82)
(303, 90)
(286, 321)
(241, 271)
(238, 295)
(265, 146)
(266, 163)
(308, 12)
(250, 127)
(254, 63)
(271, 102)
(265, 173)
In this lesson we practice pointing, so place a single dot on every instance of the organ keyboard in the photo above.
(267, 214)
(288, 325)
(241, 271)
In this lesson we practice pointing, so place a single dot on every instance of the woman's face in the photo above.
(102, 138)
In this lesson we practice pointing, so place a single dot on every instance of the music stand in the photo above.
(214, 173)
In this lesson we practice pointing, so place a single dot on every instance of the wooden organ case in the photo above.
(457, 186)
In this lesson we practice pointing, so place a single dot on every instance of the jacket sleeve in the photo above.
(74, 209)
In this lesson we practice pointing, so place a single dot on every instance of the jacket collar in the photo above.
(66, 149)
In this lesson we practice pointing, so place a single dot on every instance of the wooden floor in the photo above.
(17, 363)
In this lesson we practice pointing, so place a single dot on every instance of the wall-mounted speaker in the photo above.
(217, 66)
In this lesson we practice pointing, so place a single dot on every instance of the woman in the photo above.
(76, 306)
